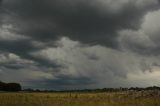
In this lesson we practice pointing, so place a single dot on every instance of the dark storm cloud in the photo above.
(73, 43)
(84, 21)
(0, 11)
(22, 48)
(64, 83)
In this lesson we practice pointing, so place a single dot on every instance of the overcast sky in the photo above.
(78, 44)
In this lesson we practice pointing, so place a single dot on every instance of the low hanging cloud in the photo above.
(144, 40)
(67, 44)
(103, 65)
(7, 33)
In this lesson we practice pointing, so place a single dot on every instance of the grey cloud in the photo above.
(12, 61)
(76, 43)
(145, 40)
(111, 68)
(7, 33)
(12, 66)
(111, 65)
(84, 21)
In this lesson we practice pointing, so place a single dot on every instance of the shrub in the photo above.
(10, 86)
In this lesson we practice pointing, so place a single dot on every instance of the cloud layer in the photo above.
(67, 44)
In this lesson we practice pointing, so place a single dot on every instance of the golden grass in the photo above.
(77, 99)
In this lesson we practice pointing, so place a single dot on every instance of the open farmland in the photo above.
(146, 98)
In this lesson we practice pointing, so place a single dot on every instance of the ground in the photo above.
(79, 99)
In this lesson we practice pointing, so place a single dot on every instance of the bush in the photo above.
(2, 86)
(10, 87)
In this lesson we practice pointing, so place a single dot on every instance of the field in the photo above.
(79, 99)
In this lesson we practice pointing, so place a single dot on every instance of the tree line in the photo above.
(97, 90)
(17, 87)
(10, 86)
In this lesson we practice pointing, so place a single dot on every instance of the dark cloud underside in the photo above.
(72, 43)
(84, 21)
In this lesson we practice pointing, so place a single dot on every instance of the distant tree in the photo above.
(13, 87)
(2, 86)
(29, 90)
(152, 88)
(37, 90)
(10, 86)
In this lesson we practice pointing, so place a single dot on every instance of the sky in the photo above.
(79, 44)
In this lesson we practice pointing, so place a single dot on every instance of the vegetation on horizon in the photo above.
(10, 86)
(149, 96)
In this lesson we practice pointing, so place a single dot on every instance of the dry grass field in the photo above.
(79, 99)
